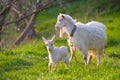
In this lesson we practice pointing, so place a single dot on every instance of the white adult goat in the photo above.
(56, 54)
(89, 38)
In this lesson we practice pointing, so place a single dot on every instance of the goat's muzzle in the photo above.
(56, 28)
(49, 49)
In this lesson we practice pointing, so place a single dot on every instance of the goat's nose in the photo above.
(49, 49)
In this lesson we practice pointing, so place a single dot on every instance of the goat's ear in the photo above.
(53, 38)
(44, 40)
(62, 16)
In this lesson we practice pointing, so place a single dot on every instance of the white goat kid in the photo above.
(56, 54)
(88, 38)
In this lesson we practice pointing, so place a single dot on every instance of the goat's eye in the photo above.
(60, 20)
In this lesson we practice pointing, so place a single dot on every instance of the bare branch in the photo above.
(17, 11)
(37, 8)
(3, 15)
(27, 29)
(35, 11)
(14, 8)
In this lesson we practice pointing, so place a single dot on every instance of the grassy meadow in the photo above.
(30, 61)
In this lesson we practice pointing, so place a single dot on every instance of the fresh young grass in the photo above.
(30, 61)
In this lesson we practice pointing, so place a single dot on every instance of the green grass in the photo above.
(30, 61)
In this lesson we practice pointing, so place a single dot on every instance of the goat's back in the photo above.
(91, 35)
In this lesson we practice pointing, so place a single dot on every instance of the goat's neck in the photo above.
(69, 28)
(52, 51)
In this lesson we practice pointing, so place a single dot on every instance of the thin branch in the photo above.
(14, 8)
(3, 15)
(35, 11)
(17, 11)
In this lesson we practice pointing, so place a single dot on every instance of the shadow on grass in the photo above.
(114, 55)
(13, 65)
(111, 43)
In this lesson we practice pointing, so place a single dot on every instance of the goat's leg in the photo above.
(85, 54)
(72, 49)
(85, 60)
(72, 54)
(98, 60)
(99, 54)
(50, 66)
(56, 66)
(67, 63)
(89, 59)
(103, 52)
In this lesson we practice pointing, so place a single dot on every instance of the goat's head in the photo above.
(60, 21)
(63, 20)
(49, 43)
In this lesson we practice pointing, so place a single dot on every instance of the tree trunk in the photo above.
(32, 33)
(3, 15)
(27, 29)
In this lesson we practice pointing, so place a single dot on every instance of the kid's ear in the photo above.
(53, 38)
(44, 40)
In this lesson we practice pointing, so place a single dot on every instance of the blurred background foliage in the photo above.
(82, 10)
